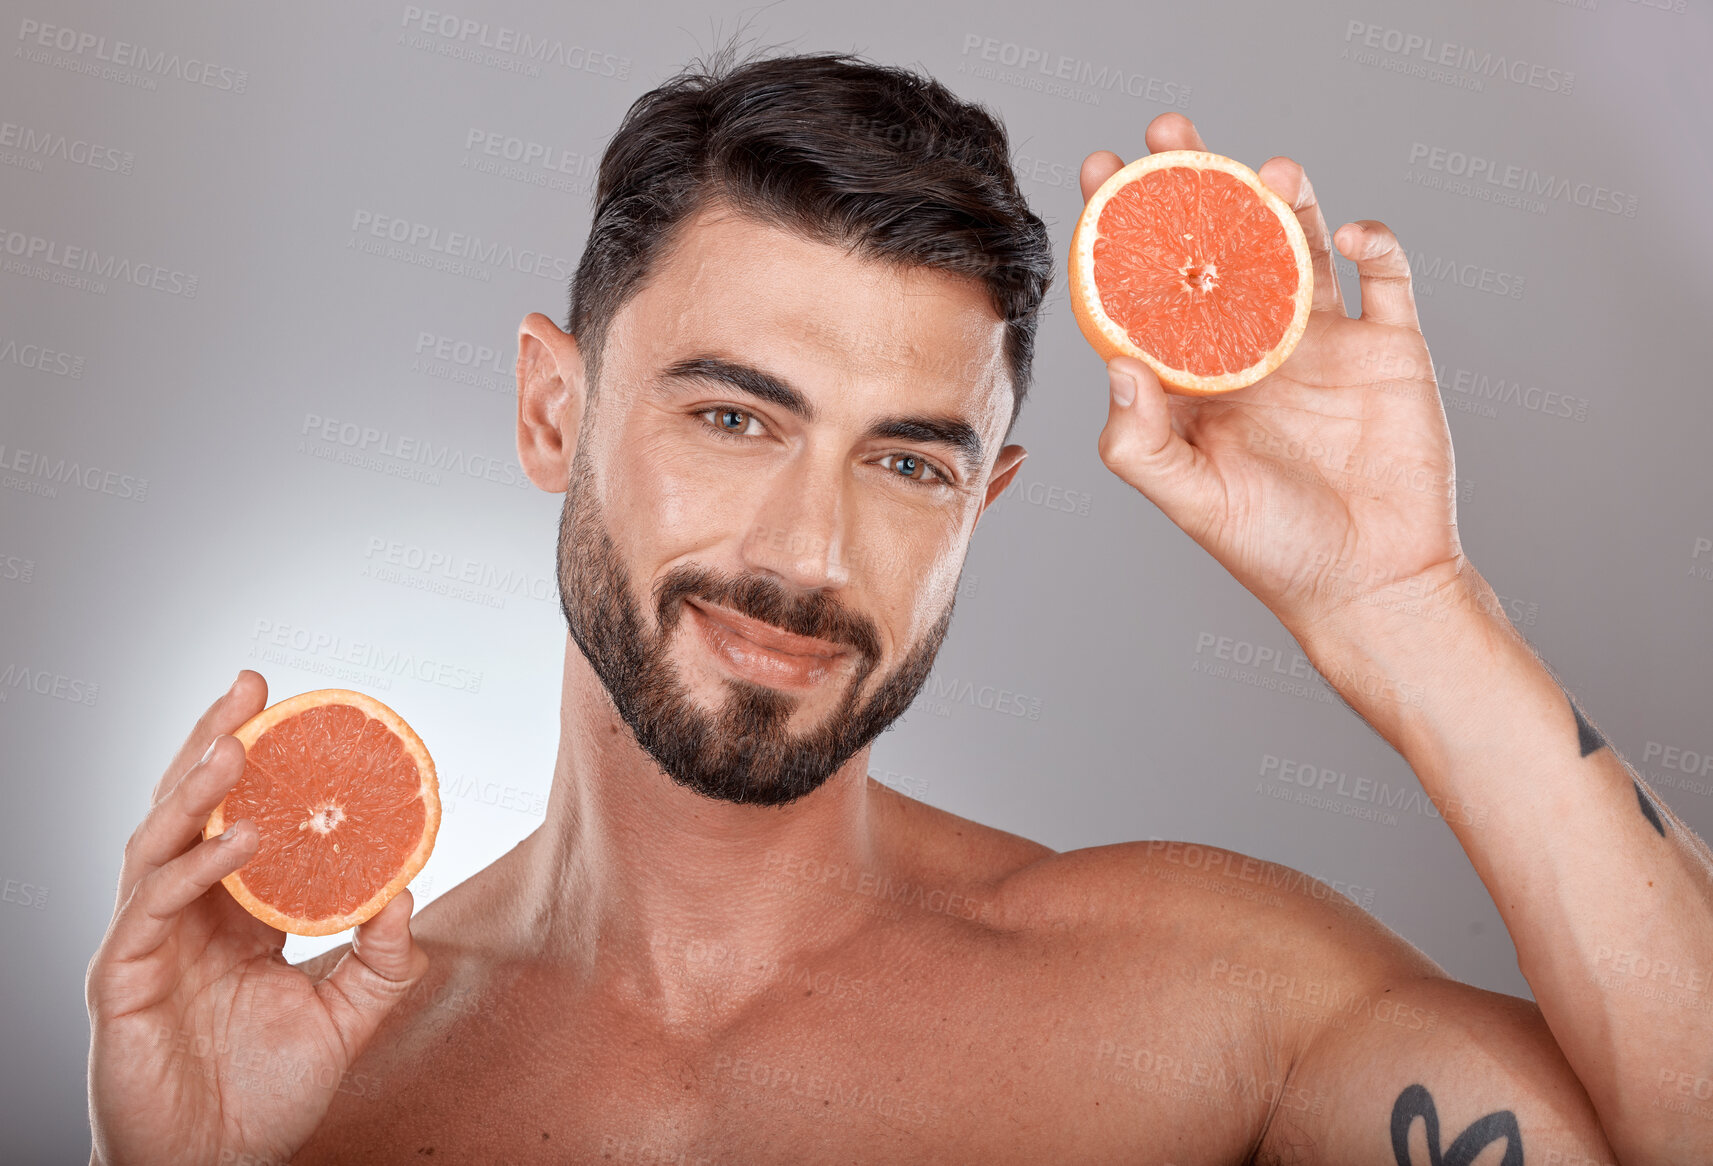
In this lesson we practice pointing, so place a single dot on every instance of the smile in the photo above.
(762, 653)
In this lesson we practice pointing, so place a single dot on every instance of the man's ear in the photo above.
(550, 385)
(1005, 469)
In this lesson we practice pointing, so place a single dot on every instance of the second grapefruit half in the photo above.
(345, 797)
(1187, 261)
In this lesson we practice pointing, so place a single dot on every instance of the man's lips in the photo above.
(767, 636)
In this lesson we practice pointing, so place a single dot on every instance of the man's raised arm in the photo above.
(1607, 895)
(1327, 489)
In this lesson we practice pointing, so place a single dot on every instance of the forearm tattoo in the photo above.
(1588, 739)
(1416, 1102)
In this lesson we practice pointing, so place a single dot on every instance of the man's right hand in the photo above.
(205, 1044)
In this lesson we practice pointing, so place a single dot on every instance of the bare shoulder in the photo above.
(1226, 897)
(1361, 1032)
(1136, 894)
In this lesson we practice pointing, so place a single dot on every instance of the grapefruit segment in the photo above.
(1188, 262)
(344, 795)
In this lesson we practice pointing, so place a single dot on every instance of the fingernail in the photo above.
(231, 833)
(210, 752)
(1123, 387)
(235, 681)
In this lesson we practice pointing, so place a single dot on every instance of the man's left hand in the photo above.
(1331, 477)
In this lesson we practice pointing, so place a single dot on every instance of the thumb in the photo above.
(1141, 447)
(382, 965)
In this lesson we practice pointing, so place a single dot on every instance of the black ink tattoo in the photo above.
(1648, 811)
(1588, 739)
(1416, 1102)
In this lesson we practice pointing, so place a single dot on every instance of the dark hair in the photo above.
(883, 161)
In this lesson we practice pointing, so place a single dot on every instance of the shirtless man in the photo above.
(727, 945)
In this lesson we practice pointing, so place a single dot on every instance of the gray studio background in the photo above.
(227, 410)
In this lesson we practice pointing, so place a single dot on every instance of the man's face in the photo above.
(771, 498)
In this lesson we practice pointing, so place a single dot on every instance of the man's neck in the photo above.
(636, 882)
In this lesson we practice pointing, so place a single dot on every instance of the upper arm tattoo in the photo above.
(1588, 739)
(1416, 1102)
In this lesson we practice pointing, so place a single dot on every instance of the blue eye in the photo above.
(734, 424)
(908, 465)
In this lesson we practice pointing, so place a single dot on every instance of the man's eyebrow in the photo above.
(744, 378)
(953, 432)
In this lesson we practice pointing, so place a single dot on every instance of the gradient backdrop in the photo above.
(252, 258)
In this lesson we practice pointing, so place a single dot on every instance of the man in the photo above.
(799, 337)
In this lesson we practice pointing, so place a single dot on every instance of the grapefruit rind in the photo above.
(251, 731)
(1110, 339)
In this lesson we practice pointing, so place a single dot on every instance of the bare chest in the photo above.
(972, 1060)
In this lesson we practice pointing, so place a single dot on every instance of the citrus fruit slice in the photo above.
(1186, 261)
(344, 795)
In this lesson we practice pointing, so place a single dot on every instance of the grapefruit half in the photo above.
(1186, 261)
(345, 797)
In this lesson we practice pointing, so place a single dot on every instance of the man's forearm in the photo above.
(1607, 896)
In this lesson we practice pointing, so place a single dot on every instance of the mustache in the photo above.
(761, 597)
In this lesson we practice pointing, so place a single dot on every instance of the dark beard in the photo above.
(742, 752)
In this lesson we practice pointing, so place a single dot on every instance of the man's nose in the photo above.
(798, 532)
